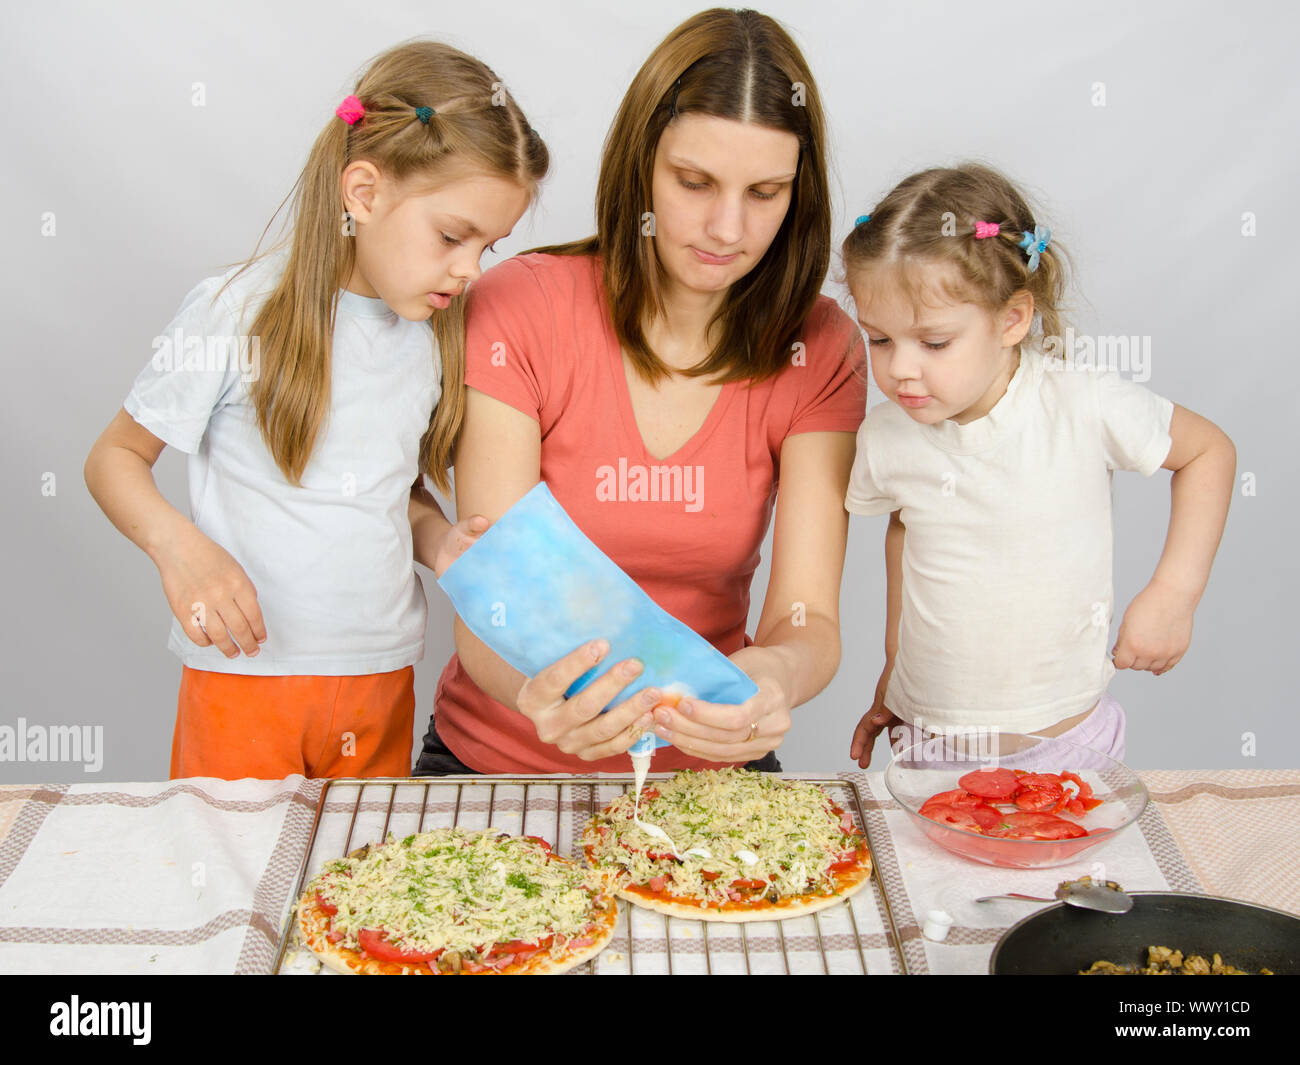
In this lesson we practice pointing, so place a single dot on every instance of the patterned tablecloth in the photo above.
(198, 875)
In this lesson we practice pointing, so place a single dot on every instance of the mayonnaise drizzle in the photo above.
(641, 766)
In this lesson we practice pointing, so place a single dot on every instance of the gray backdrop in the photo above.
(1157, 141)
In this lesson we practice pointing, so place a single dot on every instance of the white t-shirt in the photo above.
(1007, 596)
(331, 560)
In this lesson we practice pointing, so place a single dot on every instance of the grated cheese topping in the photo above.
(729, 825)
(460, 891)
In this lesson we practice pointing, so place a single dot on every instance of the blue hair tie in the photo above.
(1035, 244)
(861, 218)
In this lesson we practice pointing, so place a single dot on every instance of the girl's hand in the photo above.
(457, 540)
(739, 732)
(576, 726)
(211, 595)
(876, 720)
(1156, 630)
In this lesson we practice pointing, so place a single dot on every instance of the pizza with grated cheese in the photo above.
(749, 846)
(456, 901)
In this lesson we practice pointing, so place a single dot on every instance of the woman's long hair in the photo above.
(739, 65)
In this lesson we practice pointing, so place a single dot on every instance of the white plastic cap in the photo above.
(937, 923)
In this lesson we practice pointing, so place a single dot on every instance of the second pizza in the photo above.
(745, 846)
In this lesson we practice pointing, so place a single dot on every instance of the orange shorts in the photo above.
(229, 725)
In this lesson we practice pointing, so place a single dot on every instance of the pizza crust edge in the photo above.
(851, 881)
(313, 923)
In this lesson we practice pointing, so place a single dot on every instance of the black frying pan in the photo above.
(1061, 940)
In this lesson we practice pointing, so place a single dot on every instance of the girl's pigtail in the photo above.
(292, 393)
(1039, 261)
(437, 449)
(1031, 256)
(1047, 285)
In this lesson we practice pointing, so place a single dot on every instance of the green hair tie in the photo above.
(424, 114)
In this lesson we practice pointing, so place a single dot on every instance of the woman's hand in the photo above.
(735, 732)
(211, 595)
(876, 720)
(458, 539)
(576, 726)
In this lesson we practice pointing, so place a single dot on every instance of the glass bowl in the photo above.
(932, 765)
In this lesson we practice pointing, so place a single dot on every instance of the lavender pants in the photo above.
(1102, 730)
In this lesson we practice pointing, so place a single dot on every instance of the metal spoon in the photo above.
(1107, 896)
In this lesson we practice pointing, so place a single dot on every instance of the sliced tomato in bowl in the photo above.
(1039, 791)
(952, 816)
(1085, 796)
(1029, 825)
(957, 797)
(985, 815)
(1004, 832)
(990, 783)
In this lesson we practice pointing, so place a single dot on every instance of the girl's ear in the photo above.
(1016, 318)
(358, 185)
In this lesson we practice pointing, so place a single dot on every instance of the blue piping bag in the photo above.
(534, 588)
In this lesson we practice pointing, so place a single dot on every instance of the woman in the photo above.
(660, 377)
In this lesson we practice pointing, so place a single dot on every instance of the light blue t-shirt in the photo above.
(331, 560)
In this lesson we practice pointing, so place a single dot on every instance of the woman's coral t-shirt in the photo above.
(687, 528)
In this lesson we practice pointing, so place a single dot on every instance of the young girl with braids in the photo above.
(993, 459)
(312, 389)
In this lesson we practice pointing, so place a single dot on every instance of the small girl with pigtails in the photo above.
(993, 459)
(312, 389)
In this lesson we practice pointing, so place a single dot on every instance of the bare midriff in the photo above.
(1066, 725)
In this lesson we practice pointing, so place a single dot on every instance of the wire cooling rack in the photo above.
(857, 936)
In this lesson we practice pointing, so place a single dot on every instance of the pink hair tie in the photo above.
(986, 229)
(350, 110)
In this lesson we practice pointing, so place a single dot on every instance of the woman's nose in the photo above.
(726, 223)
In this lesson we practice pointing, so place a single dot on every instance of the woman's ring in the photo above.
(753, 731)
